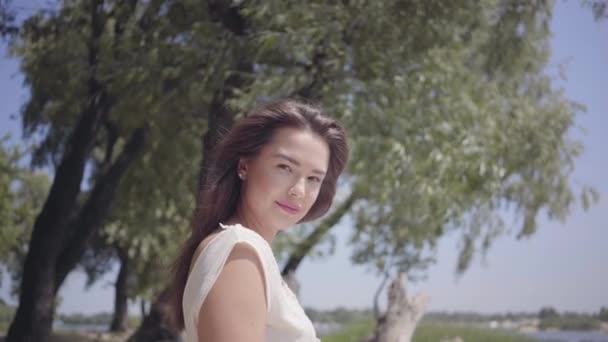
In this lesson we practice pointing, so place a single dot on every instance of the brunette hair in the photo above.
(219, 195)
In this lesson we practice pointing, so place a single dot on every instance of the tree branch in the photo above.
(379, 290)
(228, 15)
(301, 250)
(97, 206)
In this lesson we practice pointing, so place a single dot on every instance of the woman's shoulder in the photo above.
(230, 237)
(241, 248)
(241, 233)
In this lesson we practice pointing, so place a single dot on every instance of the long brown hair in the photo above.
(219, 195)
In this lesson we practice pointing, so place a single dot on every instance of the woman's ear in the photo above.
(241, 169)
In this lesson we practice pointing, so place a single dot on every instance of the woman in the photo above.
(276, 167)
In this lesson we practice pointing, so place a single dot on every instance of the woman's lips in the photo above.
(288, 208)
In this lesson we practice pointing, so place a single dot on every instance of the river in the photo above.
(570, 336)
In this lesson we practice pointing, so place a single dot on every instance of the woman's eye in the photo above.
(315, 179)
(284, 167)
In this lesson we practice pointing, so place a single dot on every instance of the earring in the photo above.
(241, 175)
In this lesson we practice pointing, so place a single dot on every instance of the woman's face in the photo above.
(282, 182)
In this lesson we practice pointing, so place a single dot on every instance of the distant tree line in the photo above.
(551, 318)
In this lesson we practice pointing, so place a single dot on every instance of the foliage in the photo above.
(468, 126)
(7, 18)
(548, 313)
(138, 66)
(450, 115)
(22, 193)
(550, 318)
(599, 8)
(6, 314)
(603, 314)
(570, 322)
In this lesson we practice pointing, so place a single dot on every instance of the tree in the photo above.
(61, 229)
(133, 52)
(603, 314)
(548, 313)
(7, 17)
(438, 92)
(151, 212)
(402, 314)
(22, 193)
(441, 92)
(599, 8)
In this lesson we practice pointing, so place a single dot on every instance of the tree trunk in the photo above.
(220, 119)
(155, 326)
(55, 250)
(301, 250)
(97, 207)
(142, 307)
(119, 319)
(402, 314)
(34, 317)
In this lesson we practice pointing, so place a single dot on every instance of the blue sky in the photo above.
(564, 265)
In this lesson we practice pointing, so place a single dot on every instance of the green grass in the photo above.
(351, 332)
(70, 336)
(431, 332)
(427, 332)
(59, 336)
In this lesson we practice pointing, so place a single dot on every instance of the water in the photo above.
(570, 336)
(59, 325)
(326, 328)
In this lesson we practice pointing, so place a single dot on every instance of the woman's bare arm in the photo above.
(235, 308)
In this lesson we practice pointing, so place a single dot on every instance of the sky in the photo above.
(564, 265)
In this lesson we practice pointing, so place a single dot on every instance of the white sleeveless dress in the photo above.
(286, 321)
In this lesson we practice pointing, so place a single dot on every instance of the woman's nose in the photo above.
(298, 189)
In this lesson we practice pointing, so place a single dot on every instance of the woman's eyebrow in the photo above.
(295, 162)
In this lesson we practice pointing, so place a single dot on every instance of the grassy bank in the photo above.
(59, 336)
(428, 332)
(353, 331)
